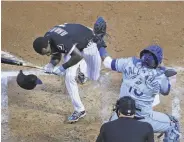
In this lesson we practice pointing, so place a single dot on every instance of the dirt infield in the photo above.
(40, 115)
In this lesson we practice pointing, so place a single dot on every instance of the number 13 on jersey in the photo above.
(135, 91)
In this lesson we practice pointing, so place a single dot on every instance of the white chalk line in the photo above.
(5, 77)
(176, 109)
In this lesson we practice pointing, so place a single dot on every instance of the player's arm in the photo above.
(165, 86)
(55, 59)
(75, 58)
(113, 64)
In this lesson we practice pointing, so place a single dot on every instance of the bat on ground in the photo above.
(18, 63)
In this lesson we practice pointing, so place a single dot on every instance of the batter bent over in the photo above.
(77, 42)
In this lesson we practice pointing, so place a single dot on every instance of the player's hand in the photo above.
(48, 68)
(59, 70)
(101, 43)
(170, 72)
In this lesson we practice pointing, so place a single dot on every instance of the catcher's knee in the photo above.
(173, 133)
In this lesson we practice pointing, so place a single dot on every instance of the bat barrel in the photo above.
(10, 61)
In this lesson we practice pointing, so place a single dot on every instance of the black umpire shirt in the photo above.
(126, 130)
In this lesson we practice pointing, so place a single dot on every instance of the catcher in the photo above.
(143, 78)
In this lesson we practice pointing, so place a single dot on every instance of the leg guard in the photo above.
(173, 134)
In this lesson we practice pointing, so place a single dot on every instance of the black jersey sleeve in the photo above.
(68, 45)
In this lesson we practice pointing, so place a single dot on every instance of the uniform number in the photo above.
(135, 92)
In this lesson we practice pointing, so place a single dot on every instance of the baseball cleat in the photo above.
(76, 116)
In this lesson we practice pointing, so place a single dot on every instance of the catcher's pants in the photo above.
(71, 83)
(162, 123)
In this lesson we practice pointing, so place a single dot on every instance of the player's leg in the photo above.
(73, 91)
(93, 61)
(162, 123)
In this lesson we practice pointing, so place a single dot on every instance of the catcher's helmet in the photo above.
(27, 82)
(156, 51)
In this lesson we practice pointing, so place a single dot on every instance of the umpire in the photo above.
(126, 128)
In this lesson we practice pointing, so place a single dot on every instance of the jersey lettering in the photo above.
(59, 31)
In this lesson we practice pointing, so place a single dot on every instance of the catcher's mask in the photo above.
(157, 55)
(126, 106)
(27, 82)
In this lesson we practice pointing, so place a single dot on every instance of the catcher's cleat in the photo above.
(27, 82)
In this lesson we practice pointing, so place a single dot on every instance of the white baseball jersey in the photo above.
(140, 82)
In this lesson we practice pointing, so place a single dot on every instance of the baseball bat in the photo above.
(18, 63)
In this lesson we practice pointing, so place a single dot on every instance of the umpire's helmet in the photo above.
(156, 51)
(27, 82)
(126, 105)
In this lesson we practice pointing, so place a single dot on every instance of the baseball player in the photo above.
(75, 42)
(143, 78)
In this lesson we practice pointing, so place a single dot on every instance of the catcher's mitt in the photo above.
(27, 82)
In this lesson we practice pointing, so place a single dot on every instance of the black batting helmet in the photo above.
(27, 82)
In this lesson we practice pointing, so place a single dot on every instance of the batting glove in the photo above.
(60, 71)
(48, 68)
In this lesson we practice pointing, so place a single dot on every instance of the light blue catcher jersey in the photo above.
(140, 82)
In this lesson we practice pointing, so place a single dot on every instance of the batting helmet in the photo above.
(156, 51)
(27, 82)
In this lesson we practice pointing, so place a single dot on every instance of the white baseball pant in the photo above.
(90, 66)
(71, 83)
(93, 60)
